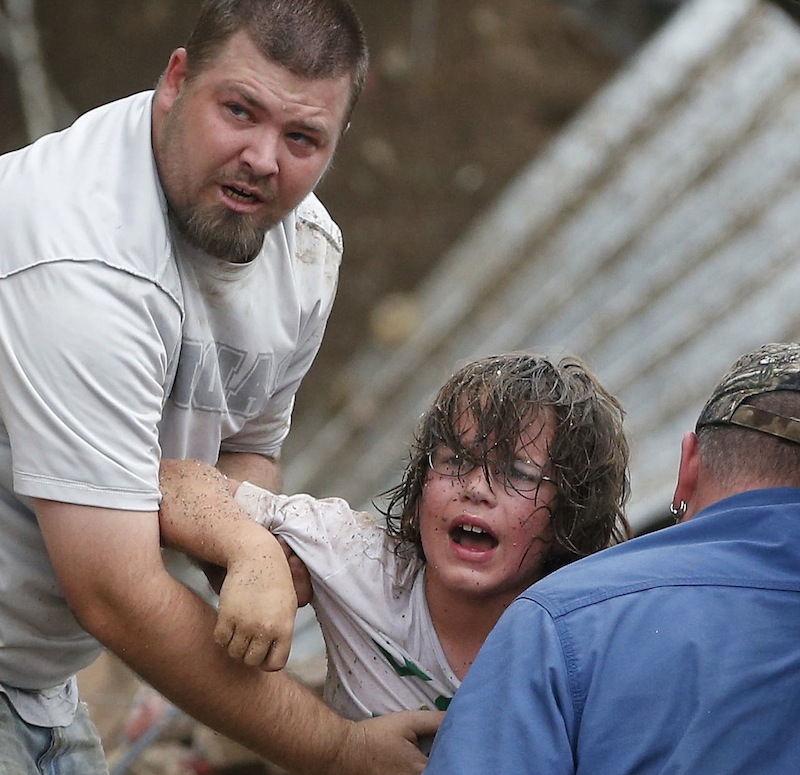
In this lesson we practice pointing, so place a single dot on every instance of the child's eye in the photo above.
(448, 463)
(525, 471)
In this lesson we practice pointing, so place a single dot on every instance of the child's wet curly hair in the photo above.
(498, 397)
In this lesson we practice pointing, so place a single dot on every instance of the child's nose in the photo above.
(476, 484)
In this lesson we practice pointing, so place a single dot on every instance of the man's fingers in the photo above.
(301, 578)
(426, 722)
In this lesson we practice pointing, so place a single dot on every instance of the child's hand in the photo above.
(257, 605)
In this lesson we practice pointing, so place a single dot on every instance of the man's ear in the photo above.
(686, 488)
(172, 80)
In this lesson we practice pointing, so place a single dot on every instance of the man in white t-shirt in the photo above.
(166, 274)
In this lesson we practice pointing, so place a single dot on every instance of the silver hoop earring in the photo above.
(680, 512)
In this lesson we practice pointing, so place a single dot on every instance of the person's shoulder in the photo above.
(97, 193)
(133, 108)
(312, 216)
(122, 124)
(638, 564)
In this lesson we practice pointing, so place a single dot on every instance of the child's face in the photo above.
(482, 538)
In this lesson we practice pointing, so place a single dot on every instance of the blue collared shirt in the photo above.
(677, 652)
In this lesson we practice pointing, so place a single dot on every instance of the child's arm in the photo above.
(257, 601)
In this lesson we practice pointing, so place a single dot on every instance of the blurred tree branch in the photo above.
(41, 102)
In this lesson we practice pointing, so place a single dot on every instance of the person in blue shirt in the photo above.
(676, 652)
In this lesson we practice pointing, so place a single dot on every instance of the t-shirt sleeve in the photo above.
(325, 533)
(85, 353)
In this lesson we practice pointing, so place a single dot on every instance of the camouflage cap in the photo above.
(769, 368)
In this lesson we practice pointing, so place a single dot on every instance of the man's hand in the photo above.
(387, 745)
(109, 565)
(301, 578)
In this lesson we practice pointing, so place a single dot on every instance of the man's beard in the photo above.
(222, 233)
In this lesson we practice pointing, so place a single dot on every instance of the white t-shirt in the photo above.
(119, 343)
(382, 648)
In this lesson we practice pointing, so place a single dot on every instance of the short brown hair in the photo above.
(315, 39)
(735, 454)
(588, 452)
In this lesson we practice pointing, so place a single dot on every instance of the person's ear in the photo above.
(684, 499)
(172, 80)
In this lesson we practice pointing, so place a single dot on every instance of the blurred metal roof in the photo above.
(657, 237)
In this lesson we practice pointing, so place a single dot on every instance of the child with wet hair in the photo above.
(519, 467)
(497, 397)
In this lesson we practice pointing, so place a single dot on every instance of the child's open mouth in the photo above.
(473, 537)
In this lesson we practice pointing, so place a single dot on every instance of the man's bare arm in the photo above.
(109, 566)
(261, 470)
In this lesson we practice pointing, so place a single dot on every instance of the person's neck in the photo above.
(462, 623)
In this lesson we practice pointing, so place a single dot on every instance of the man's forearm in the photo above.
(110, 568)
(267, 712)
(257, 469)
